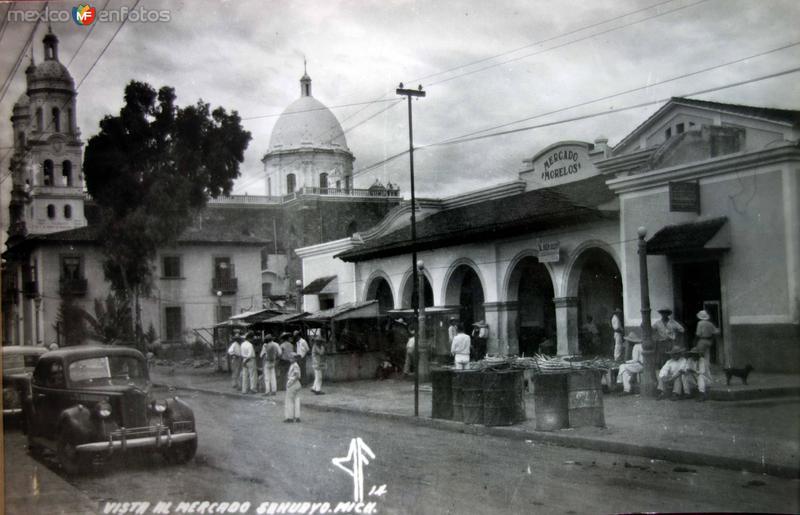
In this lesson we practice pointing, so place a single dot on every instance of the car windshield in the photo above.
(108, 370)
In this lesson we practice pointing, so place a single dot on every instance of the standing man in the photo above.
(291, 406)
(270, 353)
(616, 325)
(287, 351)
(410, 344)
(665, 334)
(460, 347)
(235, 353)
(249, 372)
(452, 331)
(591, 336)
(302, 349)
(318, 364)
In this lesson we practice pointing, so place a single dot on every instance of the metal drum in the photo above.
(472, 396)
(550, 401)
(585, 399)
(503, 403)
(442, 397)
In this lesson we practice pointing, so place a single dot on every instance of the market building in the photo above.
(714, 185)
(237, 255)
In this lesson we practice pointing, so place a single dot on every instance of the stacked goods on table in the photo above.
(543, 364)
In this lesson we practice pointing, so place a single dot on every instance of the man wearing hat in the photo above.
(452, 331)
(616, 325)
(235, 353)
(670, 374)
(287, 351)
(301, 348)
(666, 333)
(249, 372)
(696, 374)
(270, 352)
(705, 333)
(634, 365)
(480, 335)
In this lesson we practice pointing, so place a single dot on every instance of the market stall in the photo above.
(355, 339)
(437, 321)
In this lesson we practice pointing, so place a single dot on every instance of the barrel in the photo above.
(503, 403)
(442, 397)
(472, 396)
(457, 395)
(585, 399)
(550, 401)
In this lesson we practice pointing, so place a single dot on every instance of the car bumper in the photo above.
(124, 443)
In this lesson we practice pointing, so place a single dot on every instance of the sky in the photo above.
(482, 64)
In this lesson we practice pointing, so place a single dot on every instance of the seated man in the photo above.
(634, 365)
(696, 374)
(670, 374)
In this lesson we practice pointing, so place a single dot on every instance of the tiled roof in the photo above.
(531, 211)
(684, 237)
(766, 113)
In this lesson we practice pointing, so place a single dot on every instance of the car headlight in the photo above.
(159, 406)
(104, 409)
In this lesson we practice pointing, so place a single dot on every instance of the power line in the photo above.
(7, 83)
(546, 40)
(465, 139)
(323, 108)
(5, 20)
(633, 90)
(613, 29)
(85, 37)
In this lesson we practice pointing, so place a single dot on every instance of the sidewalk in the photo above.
(759, 435)
(33, 488)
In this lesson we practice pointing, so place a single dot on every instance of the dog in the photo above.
(741, 373)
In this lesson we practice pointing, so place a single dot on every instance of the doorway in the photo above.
(697, 287)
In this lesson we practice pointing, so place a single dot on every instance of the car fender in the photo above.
(178, 410)
(76, 424)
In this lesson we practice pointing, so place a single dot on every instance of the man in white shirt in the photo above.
(666, 333)
(235, 353)
(302, 349)
(451, 330)
(249, 373)
(670, 374)
(410, 344)
(633, 366)
(616, 325)
(460, 347)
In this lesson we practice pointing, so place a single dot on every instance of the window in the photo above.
(323, 181)
(223, 269)
(56, 119)
(266, 290)
(47, 171)
(291, 183)
(66, 172)
(69, 121)
(51, 211)
(326, 303)
(668, 132)
(171, 267)
(39, 119)
(679, 128)
(173, 323)
(70, 268)
(67, 212)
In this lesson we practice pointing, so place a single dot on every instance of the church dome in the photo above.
(49, 74)
(307, 124)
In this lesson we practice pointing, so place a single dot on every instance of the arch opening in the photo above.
(380, 290)
(465, 290)
(409, 298)
(531, 286)
(599, 291)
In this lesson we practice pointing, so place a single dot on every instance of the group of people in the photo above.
(463, 347)
(289, 356)
(683, 372)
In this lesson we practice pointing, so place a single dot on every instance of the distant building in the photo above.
(717, 187)
(237, 255)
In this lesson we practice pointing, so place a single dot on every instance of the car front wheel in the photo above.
(181, 452)
(68, 457)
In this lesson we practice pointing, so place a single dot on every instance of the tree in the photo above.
(150, 170)
(111, 322)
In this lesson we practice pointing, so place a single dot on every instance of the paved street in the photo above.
(248, 454)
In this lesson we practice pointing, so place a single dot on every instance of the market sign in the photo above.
(549, 252)
(684, 197)
(559, 164)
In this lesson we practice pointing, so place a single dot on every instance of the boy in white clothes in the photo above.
(460, 347)
(291, 407)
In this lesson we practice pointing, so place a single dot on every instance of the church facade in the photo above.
(237, 255)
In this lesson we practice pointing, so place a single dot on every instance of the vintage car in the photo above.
(89, 402)
(18, 363)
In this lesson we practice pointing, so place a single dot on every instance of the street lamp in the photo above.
(299, 284)
(216, 332)
(648, 385)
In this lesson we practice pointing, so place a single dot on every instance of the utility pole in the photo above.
(408, 93)
(648, 349)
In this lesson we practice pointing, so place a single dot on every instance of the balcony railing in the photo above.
(224, 284)
(73, 287)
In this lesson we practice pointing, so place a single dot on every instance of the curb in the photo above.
(562, 440)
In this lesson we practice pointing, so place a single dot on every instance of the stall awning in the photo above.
(321, 285)
(367, 309)
(285, 318)
(251, 317)
(704, 235)
(430, 309)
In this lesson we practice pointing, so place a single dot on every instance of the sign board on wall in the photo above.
(684, 197)
(559, 164)
(549, 252)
